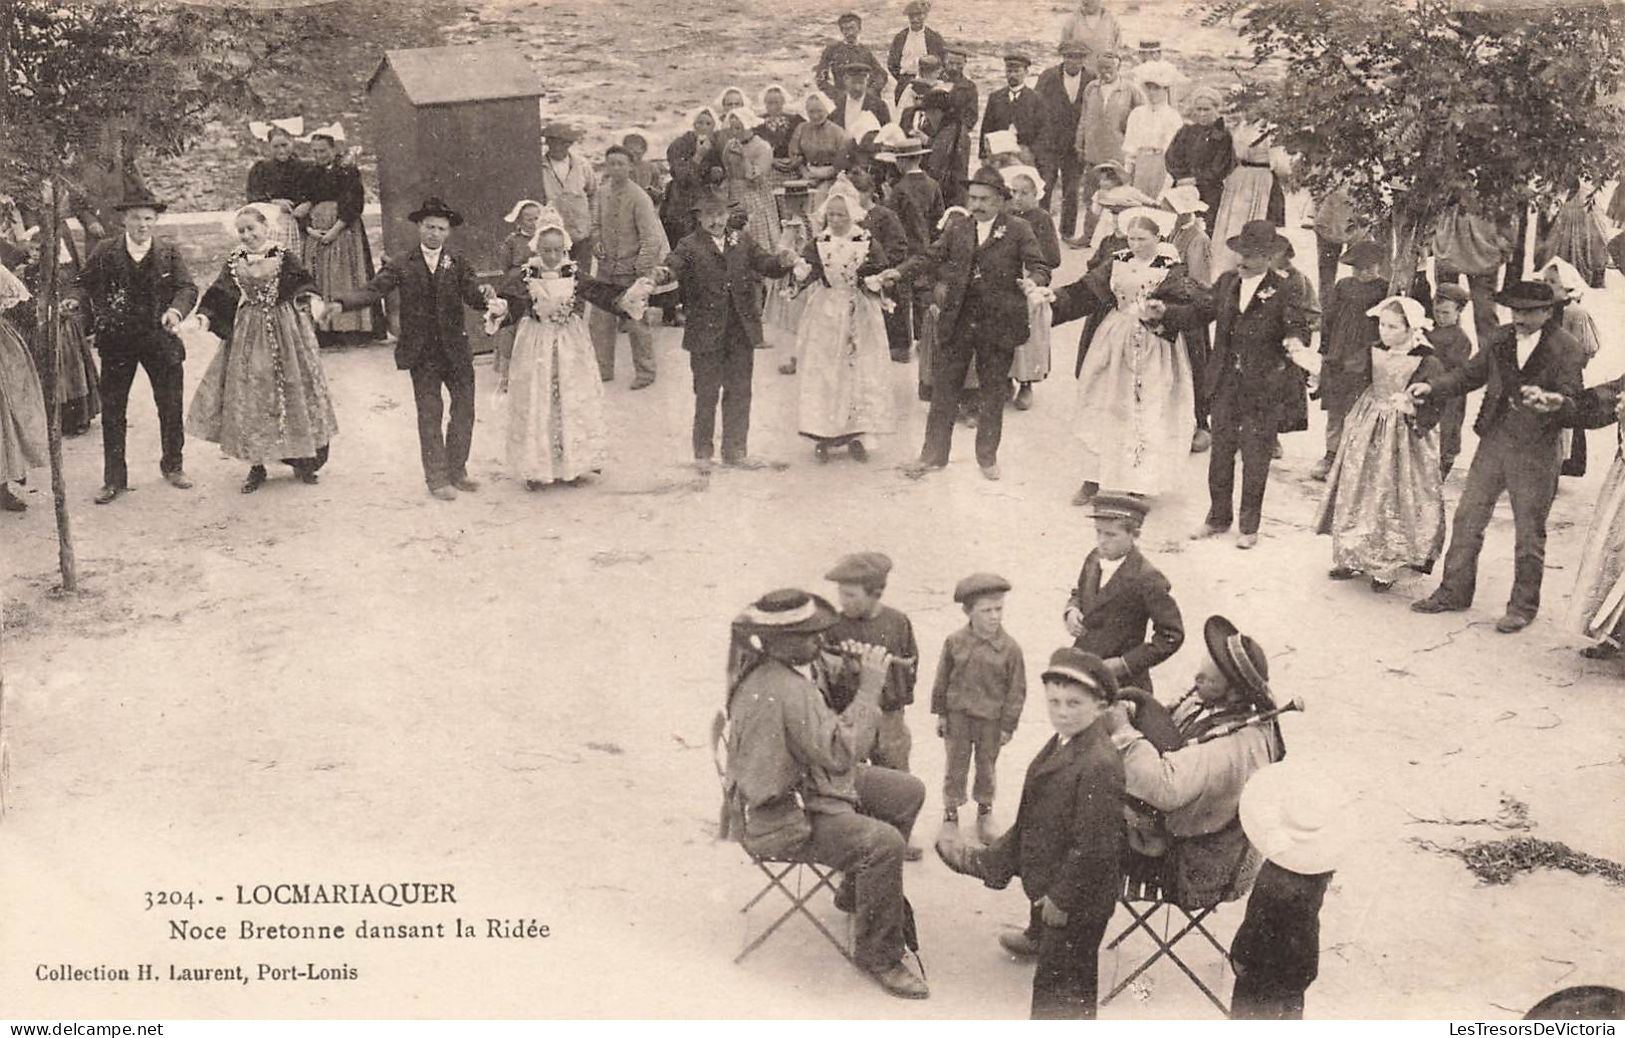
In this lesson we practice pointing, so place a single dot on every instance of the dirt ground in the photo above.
(354, 682)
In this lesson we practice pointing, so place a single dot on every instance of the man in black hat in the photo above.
(837, 56)
(434, 285)
(1262, 322)
(981, 261)
(1530, 371)
(1061, 89)
(1197, 787)
(1017, 106)
(858, 97)
(793, 768)
(139, 290)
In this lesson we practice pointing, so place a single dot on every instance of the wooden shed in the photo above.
(463, 123)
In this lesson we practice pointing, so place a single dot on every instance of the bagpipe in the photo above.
(1156, 721)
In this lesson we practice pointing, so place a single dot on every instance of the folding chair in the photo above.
(796, 877)
(1144, 885)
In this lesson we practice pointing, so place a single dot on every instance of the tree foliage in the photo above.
(1413, 105)
(71, 70)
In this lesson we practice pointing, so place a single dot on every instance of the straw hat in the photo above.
(1297, 817)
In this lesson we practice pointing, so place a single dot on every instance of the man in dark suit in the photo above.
(1016, 106)
(139, 290)
(1262, 322)
(1120, 594)
(844, 52)
(963, 105)
(912, 43)
(1531, 374)
(1067, 843)
(719, 270)
(858, 97)
(981, 262)
(434, 286)
(1061, 89)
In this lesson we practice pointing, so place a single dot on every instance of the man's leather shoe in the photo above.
(1019, 944)
(991, 472)
(1436, 603)
(917, 468)
(445, 493)
(107, 494)
(899, 980)
(788, 367)
(1320, 470)
(1201, 440)
(463, 483)
(1024, 398)
(11, 502)
(1512, 623)
(958, 856)
(643, 382)
(703, 465)
(1246, 541)
(178, 480)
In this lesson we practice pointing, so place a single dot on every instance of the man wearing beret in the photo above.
(1017, 106)
(794, 783)
(982, 262)
(844, 52)
(1120, 594)
(1530, 371)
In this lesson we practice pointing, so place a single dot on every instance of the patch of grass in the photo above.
(1498, 862)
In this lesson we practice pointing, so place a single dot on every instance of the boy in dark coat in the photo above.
(718, 270)
(434, 286)
(1120, 594)
(1345, 342)
(1453, 349)
(1531, 374)
(1067, 842)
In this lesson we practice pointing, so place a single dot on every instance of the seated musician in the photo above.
(794, 783)
(1224, 731)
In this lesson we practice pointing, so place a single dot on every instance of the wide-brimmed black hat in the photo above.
(987, 176)
(1240, 659)
(140, 198)
(1257, 237)
(1526, 295)
(433, 206)
(788, 611)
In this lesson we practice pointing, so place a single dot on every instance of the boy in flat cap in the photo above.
(1067, 841)
(719, 270)
(1453, 349)
(860, 581)
(1120, 594)
(980, 687)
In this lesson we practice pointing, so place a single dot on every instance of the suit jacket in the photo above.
(1061, 113)
(715, 282)
(917, 200)
(1026, 115)
(1554, 366)
(128, 299)
(1247, 344)
(430, 306)
(836, 56)
(1115, 617)
(982, 295)
(894, 56)
(871, 104)
(1067, 842)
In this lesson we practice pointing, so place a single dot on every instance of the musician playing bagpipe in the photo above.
(1187, 777)
(1120, 594)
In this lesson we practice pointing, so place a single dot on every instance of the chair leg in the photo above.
(1165, 947)
(798, 899)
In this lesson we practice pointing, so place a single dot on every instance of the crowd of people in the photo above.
(887, 216)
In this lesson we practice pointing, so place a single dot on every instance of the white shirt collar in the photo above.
(137, 252)
(1109, 568)
(1526, 345)
(431, 256)
(1249, 286)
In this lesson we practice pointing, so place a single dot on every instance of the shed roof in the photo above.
(452, 75)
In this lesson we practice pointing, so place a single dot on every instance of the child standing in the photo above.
(1067, 842)
(1568, 286)
(1301, 833)
(1383, 505)
(860, 581)
(1032, 359)
(1451, 348)
(1345, 343)
(1190, 237)
(980, 687)
(1120, 594)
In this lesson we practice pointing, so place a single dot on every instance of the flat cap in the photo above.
(978, 584)
(1455, 293)
(864, 567)
(1081, 668)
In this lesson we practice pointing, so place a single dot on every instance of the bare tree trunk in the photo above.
(1407, 250)
(49, 256)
